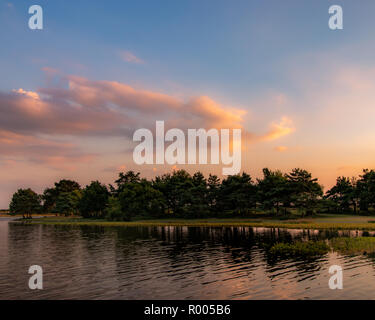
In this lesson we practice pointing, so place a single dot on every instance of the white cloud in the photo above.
(128, 56)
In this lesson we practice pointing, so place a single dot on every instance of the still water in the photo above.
(171, 263)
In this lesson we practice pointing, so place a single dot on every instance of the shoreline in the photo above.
(322, 223)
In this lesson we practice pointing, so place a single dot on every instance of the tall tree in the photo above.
(237, 194)
(366, 190)
(176, 189)
(343, 194)
(25, 202)
(66, 185)
(199, 207)
(274, 191)
(305, 190)
(94, 200)
(213, 192)
(140, 199)
(123, 179)
(51, 195)
(67, 203)
(49, 198)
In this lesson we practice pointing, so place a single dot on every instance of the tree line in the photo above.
(182, 195)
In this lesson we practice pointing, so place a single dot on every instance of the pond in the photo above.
(90, 262)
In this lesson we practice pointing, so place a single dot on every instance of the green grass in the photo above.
(308, 248)
(336, 222)
(347, 245)
(342, 245)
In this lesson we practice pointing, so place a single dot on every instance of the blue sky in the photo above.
(303, 92)
(231, 50)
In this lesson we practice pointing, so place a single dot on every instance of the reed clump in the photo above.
(346, 245)
(300, 248)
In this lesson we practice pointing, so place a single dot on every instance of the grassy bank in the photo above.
(338, 222)
(20, 215)
(309, 248)
(343, 245)
(347, 245)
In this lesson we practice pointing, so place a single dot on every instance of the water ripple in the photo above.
(170, 263)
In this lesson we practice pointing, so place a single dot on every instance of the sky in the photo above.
(73, 94)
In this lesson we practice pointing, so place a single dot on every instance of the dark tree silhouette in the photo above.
(94, 200)
(179, 194)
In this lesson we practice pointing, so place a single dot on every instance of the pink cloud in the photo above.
(30, 94)
(55, 154)
(36, 124)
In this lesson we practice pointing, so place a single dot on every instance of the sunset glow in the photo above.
(72, 96)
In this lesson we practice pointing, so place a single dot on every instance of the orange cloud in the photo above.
(278, 130)
(216, 116)
(30, 94)
(281, 148)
